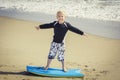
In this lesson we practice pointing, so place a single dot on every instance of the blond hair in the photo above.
(60, 12)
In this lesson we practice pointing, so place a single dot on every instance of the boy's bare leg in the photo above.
(48, 64)
(63, 66)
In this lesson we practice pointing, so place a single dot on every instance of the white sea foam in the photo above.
(94, 9)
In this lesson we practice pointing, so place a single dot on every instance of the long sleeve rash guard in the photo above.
(60, 30)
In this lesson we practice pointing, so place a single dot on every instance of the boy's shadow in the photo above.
(25, 73)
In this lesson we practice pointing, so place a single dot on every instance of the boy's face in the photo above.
(61, 18)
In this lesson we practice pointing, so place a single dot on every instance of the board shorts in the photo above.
(57, 48)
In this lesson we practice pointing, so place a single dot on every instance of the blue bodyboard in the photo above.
(54, 72)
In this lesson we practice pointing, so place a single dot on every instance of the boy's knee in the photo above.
(60, 58)
(51, 57)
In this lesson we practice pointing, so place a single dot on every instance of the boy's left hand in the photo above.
(37, 28)
(85, 35)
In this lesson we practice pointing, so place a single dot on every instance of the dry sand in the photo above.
(21, 45)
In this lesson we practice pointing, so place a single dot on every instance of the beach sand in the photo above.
(21, 45)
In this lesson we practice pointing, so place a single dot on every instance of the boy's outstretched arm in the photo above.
(76, 30)
(45, 26)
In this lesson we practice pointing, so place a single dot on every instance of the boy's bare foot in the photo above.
(65, 70)
(45, 68)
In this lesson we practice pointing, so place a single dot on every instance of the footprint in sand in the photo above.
(25, 79)
(94, 70)
(86, 66)
(104, 72)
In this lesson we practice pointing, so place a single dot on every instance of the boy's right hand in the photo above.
(37, 27)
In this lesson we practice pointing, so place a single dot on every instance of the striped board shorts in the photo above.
(57, 48)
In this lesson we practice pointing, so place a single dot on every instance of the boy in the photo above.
(60, 29)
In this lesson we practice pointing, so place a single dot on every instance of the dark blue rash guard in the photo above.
(60, 30)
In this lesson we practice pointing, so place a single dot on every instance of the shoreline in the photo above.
(109, 29)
